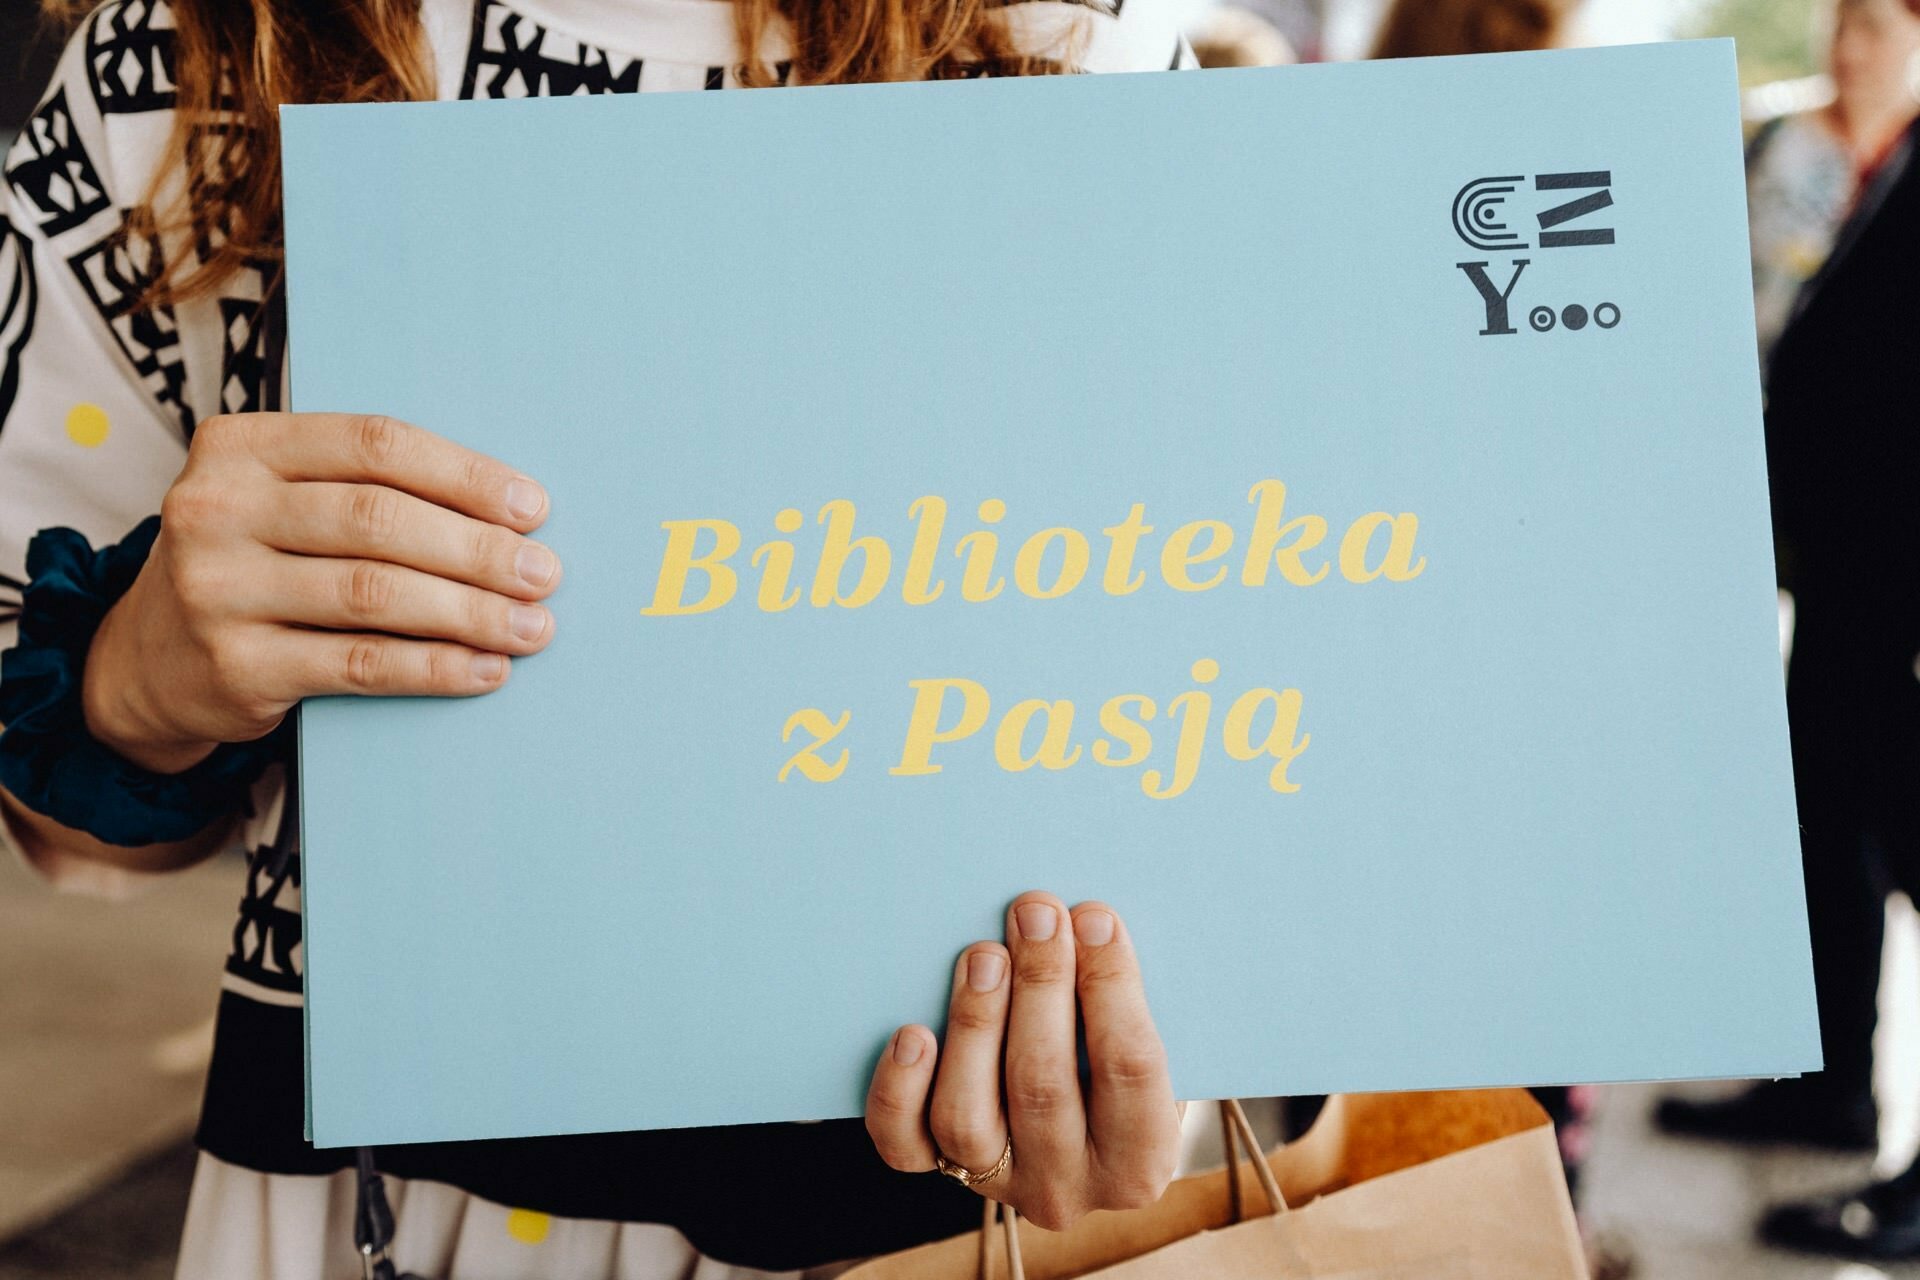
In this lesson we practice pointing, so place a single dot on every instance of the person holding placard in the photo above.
(153, 658)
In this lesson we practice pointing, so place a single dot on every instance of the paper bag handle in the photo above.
(1009, 1218)
(1234, 1125)
(1238, 1139)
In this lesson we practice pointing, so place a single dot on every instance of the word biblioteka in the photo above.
(698, 575)
(1048, 564)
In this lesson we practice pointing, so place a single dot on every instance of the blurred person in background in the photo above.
(1841, 406)
(1433, 28)
(1230, 36)
(1805, 168)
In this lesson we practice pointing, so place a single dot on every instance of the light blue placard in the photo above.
(1544, 829)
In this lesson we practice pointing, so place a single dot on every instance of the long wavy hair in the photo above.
(239, 61)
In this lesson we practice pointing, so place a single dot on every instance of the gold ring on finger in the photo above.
(969, 1178)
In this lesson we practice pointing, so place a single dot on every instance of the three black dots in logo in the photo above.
(1573, 316)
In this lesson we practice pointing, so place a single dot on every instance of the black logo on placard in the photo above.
(1492, 214)
(1477, 214)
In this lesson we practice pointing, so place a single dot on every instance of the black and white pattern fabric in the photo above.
(511, 56)
(116, 272)
(130, 57)
(19, 298)
(100, 393)
(264, 963)
(51, 172)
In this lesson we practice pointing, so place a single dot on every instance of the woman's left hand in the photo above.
(1111, 1144)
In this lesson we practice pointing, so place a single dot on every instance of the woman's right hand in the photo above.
(316, 553)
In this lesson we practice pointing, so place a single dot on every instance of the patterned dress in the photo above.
(1800, 183)
(99, 398)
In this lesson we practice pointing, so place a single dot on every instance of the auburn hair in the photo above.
(1430, 28)
(238, 61)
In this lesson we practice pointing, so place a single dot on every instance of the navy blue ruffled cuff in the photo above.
(48, 759)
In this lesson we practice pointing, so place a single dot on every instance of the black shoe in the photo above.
(1781, 1111)
(1880, 1222)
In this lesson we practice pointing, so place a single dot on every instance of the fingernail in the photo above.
(1036, 921)
(1094, 928)
(488, 667)
(524, 498)
(528, 621)
(535, 564)
(984, 969)
(907, 1048)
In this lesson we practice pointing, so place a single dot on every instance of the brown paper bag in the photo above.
(1398, 1186)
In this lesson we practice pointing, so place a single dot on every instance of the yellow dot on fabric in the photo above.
(527, 1226)
(87, 425)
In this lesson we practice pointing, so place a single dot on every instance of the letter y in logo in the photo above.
(1496, 299)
